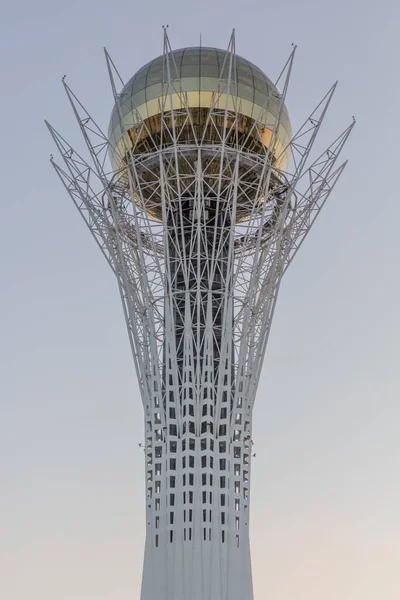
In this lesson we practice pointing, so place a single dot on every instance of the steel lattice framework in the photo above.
(199, 236)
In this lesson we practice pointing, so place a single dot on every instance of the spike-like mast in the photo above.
(199, 219)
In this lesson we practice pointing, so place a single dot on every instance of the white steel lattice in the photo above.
(199, 235)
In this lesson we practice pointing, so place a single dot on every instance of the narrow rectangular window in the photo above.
(236, 435)
(157, 522)
(157, 540)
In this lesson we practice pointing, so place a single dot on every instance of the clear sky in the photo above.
(326, 483)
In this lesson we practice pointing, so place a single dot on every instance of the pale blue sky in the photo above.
(326, 484)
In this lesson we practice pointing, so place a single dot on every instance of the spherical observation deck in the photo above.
(198, 84)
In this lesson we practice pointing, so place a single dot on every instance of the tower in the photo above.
(207, 201)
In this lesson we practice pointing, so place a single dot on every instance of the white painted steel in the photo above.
(198, 296)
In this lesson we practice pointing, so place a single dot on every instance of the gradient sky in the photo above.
(326, 483)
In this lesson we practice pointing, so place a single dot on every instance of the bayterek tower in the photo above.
(199, 196)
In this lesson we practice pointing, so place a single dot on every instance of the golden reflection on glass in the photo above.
(252, 98)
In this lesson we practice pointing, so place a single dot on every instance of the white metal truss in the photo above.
(198, 284)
